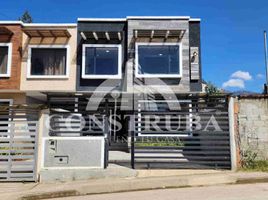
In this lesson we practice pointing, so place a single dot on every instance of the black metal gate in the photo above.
(189, 132)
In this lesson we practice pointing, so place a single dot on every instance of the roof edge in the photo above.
(101, 19)
(195, 20)
(49, 24)
(11, 22)
(158, 17)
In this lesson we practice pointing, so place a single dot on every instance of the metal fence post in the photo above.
(132, 133)
(132, 150)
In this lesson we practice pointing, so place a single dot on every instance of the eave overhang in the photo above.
(149, 33)
(101, 35)
(5, 31)
(46, 32)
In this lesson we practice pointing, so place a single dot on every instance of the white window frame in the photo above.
(30, 47)
(7, 100)
(9, 59)
(96, 76)
(157, 75)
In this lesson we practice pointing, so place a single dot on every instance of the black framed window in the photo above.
(158, 59)
(101, 61)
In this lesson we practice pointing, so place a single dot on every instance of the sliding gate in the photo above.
(18, 143)
(191, 132)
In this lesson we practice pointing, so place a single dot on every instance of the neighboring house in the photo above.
(10, 62)
(48, 59)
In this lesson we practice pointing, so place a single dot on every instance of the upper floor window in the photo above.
(161, 60)
(48, 61)
(101, 61)
(5, 59)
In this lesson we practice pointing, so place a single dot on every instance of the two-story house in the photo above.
(111, 70)
(149, 56)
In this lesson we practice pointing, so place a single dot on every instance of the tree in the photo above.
(211, 89)
(26, 17)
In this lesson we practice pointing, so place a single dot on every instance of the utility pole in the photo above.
(266, 63)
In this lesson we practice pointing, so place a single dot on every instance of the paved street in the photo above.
(228, 192)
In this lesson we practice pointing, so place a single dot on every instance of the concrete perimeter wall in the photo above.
(251, 124)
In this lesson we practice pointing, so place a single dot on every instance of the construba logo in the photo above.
(175, 119)
(137, 94)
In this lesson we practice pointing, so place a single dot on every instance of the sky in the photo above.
(231, 30)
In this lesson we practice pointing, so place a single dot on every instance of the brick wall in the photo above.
(13, 82)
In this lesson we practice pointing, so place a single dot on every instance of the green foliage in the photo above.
(161, 144)
(258, 165)
(248, 159)
(211, 89)
(250, 162)
(26, 17)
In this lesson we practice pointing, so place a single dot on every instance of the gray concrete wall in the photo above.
(74, 152)
(69, 158)
(252, 125)
(195, 44)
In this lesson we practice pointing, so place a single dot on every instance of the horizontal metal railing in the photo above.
(197, 135)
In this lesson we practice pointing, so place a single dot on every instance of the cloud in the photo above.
(260, 76)
(241, 75)
(238, 83)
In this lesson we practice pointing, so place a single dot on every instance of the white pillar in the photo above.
(232, 134)
(42, 132)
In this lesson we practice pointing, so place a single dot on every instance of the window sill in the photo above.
(4, 75)
(158, 76)
(48, 77)
(101, 76)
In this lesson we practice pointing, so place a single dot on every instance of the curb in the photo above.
(142, 184)
(252, 180)
(50, 195)
(135, 184)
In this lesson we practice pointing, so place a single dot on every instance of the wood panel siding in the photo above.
(12, 82)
